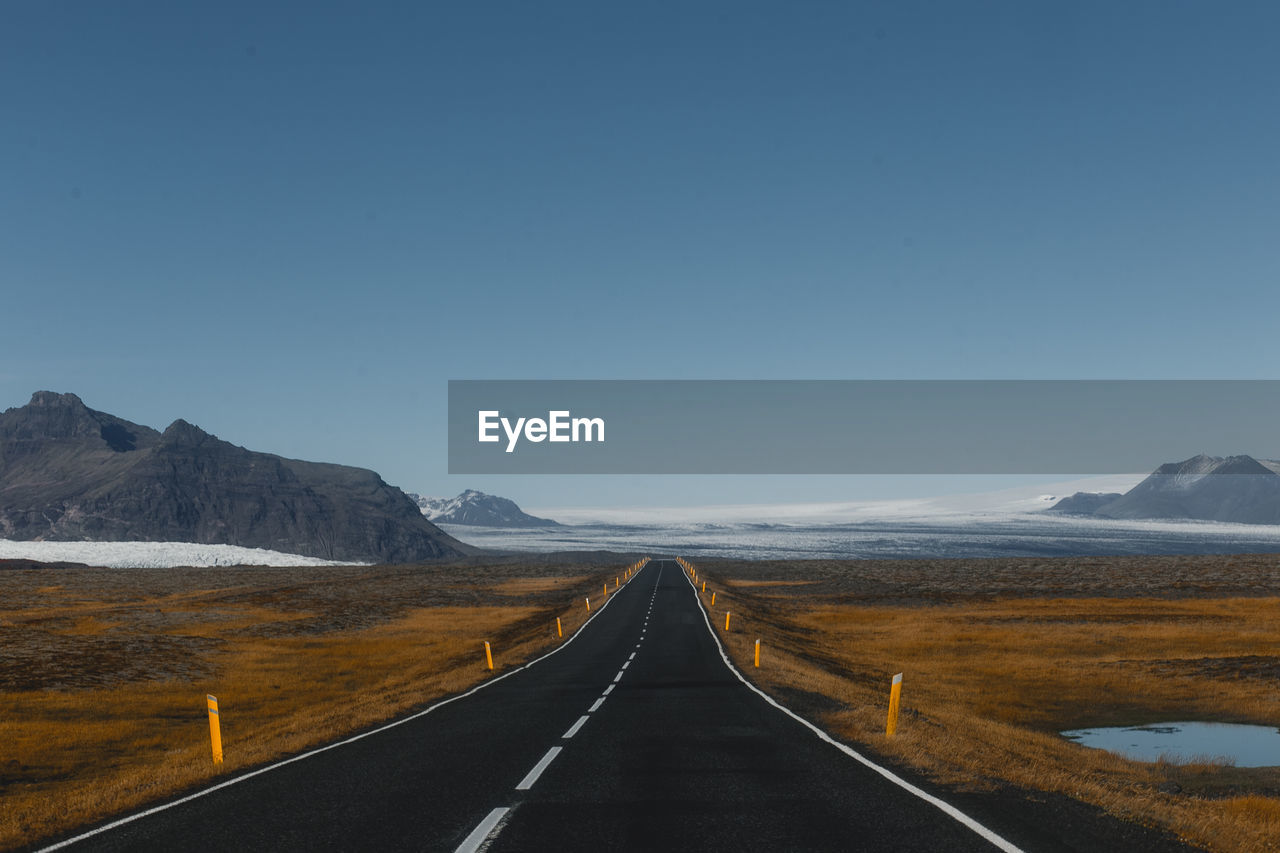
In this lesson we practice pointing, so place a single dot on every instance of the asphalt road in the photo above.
(634, 736)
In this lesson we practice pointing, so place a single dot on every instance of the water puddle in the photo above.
(1243, 746)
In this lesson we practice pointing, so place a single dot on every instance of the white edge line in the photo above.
(573, 730)
(945, 807)
(481, 833)
(115, 824)
(532, 776)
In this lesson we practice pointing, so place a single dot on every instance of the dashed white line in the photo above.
(625, 665)
(573, 730)
(596, 706)
(617, 677)
(527, 782)
(236, 780)
(608, 690)
(633, 656)
(480, 834)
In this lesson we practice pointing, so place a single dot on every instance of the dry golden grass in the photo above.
(528, 586)
(991, 675)
(104, 673)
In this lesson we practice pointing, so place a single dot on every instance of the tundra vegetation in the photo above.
(104, 672)
(1000, 655)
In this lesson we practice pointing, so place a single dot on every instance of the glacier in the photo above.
(153, 555)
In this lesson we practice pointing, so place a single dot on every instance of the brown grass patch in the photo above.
(529, 586)
(994, 671)
(104, 673)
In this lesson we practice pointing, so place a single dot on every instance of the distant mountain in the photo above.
(70, 473)
(1083, 503)
(477, 508)
(1208, 488)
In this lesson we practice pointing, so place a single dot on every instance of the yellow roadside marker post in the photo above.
(215, 728)
(606, 590)
(757, 654)
(726, 620)
(488, 655)
(588, 605)
(559, 630)
(704, 586)
(895, 697)
(713, 599)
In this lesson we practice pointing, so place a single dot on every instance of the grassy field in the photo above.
(999, 656)
(104, 672)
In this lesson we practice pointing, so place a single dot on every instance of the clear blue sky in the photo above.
(292, 224)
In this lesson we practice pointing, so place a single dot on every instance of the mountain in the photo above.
(1208, 488)
(472, 507)
(1083, 503)
(68, 472)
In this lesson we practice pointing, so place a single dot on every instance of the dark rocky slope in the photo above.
(68, 472)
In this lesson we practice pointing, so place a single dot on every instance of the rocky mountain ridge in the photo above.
(69, 472)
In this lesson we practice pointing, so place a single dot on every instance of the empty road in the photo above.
(635, 735)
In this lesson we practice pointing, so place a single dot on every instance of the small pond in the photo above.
(1243, 746)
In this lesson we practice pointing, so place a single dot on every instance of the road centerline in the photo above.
(532, 776)
(573, 730)
(483, 830)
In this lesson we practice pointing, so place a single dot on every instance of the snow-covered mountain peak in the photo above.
(477, 508)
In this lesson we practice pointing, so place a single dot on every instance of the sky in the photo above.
(292, 225)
